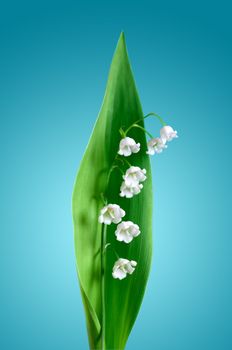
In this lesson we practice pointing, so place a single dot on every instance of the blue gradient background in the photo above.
(54, 63)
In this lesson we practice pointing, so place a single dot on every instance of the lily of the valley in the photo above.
(156, 145)
(126, 231)
(122, 267)
(111, 213)
(167, 133)
(134, 175)
(127, 146)
(130, 191)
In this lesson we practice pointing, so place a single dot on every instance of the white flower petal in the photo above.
(111, 213)
(101, 219)
(107, 220)
(134, 175)
(127, 146)
(126, 231)
(122, 267)
(130, 191)
(167, 133)
(156, 145)
(136, 148)
(120, 274)
(129, 268)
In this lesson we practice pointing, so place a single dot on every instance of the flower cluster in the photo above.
(131, 185)
(125, 232)
(158, 144)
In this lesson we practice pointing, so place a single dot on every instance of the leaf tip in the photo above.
(122, 39)
(121, 49)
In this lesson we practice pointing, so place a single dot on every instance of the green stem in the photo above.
(134, 125)
(140, 127)
(126, 161)
(116, 254)
(122, 132)
(103, 198)
(103, 243)
(117, 157)
(109, 245)
(111, 170)
(152, 114)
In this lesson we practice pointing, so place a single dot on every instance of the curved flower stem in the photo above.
(123, 161)
(122, 132)
(111, 170)
(134, 125)
(114, 166)
(117, 157)
(140, 127)
(103, 199)
(152, 114)
(126, 161)
(109, 245)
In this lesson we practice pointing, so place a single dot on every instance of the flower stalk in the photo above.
(103, 244)
(135, 125)
(152, 114)
(131, 186)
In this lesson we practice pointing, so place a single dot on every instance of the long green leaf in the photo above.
(111, 305)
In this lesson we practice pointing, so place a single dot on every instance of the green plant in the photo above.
(111, 301)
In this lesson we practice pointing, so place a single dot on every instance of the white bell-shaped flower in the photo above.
(111, 213)
(130, 191)
(128, 146)
(167, 133)
(126, 231)
(122, 267)
(156, 145)
(134, 175)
